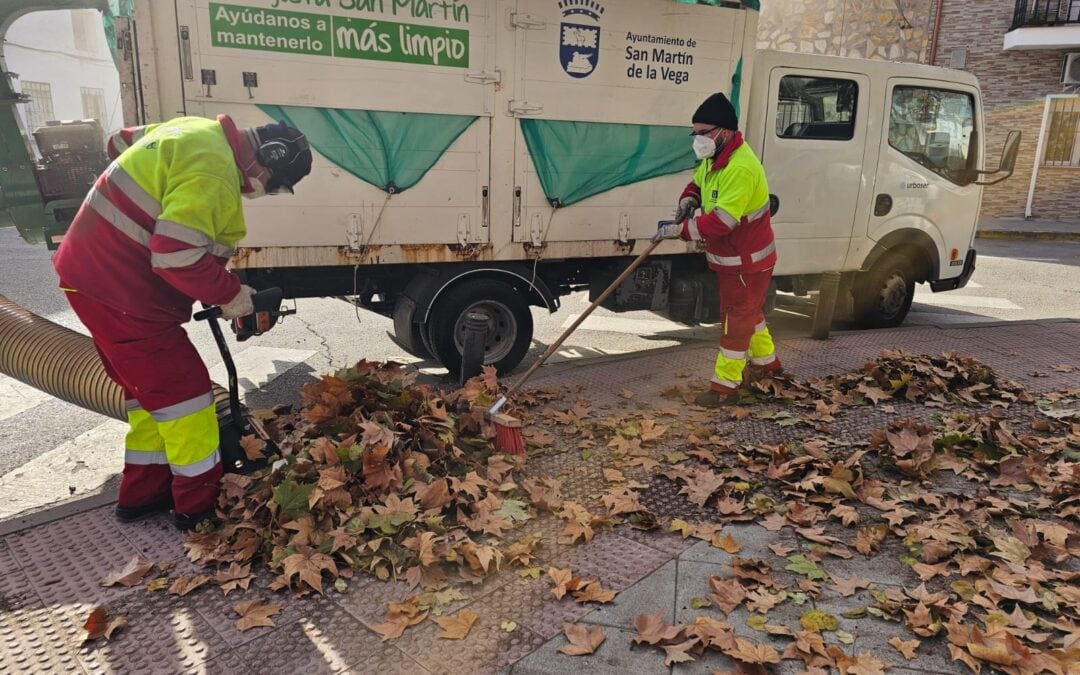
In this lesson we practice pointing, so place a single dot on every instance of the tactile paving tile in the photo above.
(216, 608)
(670, 544)
(66, 560)
(30, 641)
(156, 538)
(229, 663)
(486, 649)
(617, 561)
(367, 598)
(7, 560)
(531, 605)
(327, 640)
(163, 635)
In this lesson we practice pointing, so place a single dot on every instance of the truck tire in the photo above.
(408, 334)
(510, 324)
(883, 295)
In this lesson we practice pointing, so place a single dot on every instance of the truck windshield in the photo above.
(934, 127)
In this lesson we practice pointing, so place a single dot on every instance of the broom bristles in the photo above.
(508, 438)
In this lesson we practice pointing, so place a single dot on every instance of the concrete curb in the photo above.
(1027, 235)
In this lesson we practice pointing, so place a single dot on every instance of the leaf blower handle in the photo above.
(577, 322)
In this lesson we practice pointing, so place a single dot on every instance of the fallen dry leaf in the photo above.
(132, 573)
(253, 447)
(99, 625)
(185, 585)
(582, 639)
(254, 614)
(678, 653)
(591, 591)
(726, 543)
(563, 580)
(905, 647)
(652, 629)
(456, 627)
(749, 652)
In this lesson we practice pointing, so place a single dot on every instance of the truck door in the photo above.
(814, 152)
(928, 138)
(344, 73)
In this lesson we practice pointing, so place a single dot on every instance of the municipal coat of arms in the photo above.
(579, 36)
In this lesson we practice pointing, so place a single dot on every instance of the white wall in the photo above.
(41, 47)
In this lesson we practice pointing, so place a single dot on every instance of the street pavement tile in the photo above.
(872, 635)
(155, 538)
(228, 663)
(531, 605)
(163, 635)
(326, 640)
(486, 649)
(883, 568)
(654, 593)
(617, 561)
(366, 599)
(216, 608)
(671, 544)
(617, 655)
(66, 560)
(7, 560)
(753, 540)
(30, 641)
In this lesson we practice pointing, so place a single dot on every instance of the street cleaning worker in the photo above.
(729, 187)
(152, 236)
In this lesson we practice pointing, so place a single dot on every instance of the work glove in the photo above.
(667, 229)
(239, 306)
(685, 209)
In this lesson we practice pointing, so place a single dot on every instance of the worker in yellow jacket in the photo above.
(153, 236)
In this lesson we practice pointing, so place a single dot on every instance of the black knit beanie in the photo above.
(718, 111)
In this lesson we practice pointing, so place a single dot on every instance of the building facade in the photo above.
(64, 68)
(1019, 50)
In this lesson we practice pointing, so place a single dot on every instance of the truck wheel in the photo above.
(510, 324)
(883, 295)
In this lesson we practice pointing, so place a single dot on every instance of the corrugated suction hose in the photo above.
(63, 363)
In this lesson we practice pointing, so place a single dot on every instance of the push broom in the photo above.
(508, 436)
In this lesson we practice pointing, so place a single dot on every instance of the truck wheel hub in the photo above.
(893, 294)
(501, 330)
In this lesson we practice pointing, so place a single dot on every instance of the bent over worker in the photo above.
(152, 236)
(729, 187)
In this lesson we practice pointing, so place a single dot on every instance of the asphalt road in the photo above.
(1014, 281)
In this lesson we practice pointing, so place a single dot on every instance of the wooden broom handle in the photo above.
(584, 315)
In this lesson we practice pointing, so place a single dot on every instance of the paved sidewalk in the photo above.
(49, 574)
(1020, 229)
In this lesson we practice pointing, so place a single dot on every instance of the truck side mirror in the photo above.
(1005, 165)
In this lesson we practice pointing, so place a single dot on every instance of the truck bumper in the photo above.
(956, 282)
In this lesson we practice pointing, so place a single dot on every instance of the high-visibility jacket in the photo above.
(734, 220)
(157, 229)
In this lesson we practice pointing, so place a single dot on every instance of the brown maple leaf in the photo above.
(726, 543)
(869, 539)
(701, 485)
(582, 639)
(905, 647)
(184, 585)
(522, 551)
(309, 564)
(749, 652)
(254, 614)
(652, 629)
(564, 581)
(470, 485)
(544, 493)
(678, 653)
(235, 576)
(726, 593)
(99, 625)
(253, 447)
(712, 632)
(456, 627)
(863, 664)
(131, 574)
(591, 591)
(399, 616)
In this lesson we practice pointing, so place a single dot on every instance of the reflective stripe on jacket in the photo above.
(734, 221)
(159, 225)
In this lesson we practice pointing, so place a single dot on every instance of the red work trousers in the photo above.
(742, 302)
(172, 446)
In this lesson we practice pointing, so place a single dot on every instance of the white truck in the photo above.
(492, 155)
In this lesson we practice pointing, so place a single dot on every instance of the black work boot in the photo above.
(186, 522)
(715, 399)
(131, 514)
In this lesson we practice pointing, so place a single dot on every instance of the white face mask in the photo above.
(704, 147)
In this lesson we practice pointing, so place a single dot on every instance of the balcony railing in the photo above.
(1031, 13)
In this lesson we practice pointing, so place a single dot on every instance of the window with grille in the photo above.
(39, 107)
(93, 104)
(1063, 133)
